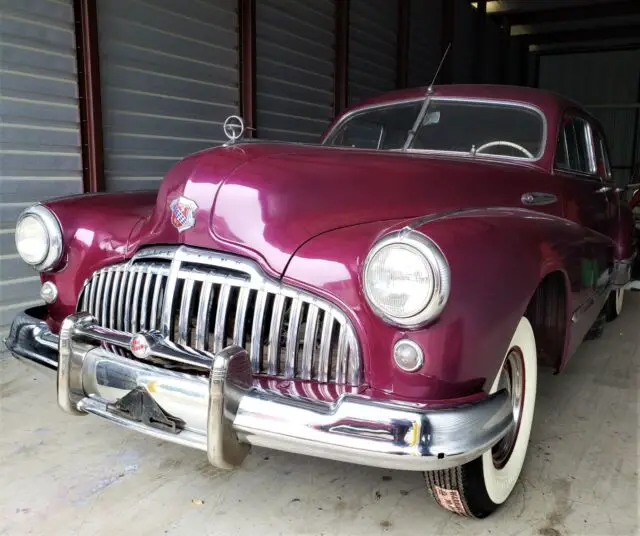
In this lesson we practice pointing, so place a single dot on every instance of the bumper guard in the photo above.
(223, 413)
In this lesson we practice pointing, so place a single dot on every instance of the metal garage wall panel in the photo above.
(607, 84)
(494, 44)
(169, 73)
(425, 30)
(593, 78)
(373, 42)
(295, 51)
(463, 48)
(40, 155)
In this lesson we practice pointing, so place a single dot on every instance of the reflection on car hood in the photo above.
(272, 198)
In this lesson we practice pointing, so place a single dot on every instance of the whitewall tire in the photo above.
(477, 488)
(614, 303)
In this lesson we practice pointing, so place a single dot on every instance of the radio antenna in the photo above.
(444, 57)
(425, 105)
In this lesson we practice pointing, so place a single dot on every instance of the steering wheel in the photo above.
(506, 144)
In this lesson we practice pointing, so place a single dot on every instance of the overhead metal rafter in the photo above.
(582, 35)
(621, 8)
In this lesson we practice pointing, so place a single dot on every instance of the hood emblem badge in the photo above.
(233, 128)
(183, 213)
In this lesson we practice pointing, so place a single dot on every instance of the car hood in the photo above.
(266, 200)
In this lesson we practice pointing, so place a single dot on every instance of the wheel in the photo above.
(614, 304)
(477, 488)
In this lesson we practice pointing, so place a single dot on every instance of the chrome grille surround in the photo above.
(204, 301)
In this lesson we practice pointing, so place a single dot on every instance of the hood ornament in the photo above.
(233, 128)
(183, 212)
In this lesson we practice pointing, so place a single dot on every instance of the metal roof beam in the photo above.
(576, 36)
(621, 8)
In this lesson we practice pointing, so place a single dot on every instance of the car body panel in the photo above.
(310, 214)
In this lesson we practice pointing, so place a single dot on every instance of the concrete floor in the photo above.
(66, 475)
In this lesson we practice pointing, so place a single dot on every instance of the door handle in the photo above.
(538, 198)
(603, 190)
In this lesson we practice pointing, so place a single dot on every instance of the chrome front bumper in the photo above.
(222, 412)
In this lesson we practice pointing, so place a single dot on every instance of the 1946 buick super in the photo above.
(382, 298)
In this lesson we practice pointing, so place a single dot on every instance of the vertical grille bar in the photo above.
(325, 347)
(241, 313)
(97, 308)
(92, 297)
(155, 302)
(169, 291)
(121, 299)
(342, 356)
(256, 330)
(135, 304)
(204, 308)
(115, 292)
(219, 336)
(292, 338)
(144, 305)
(185, 307)
(127, 301)
(273, 351)
(354, 360)
(309, 342)
(105, 297)
(85, 294)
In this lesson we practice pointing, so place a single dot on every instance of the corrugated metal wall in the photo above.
(607, 84)
(425, 31)
(295, 47)
(169, 73)
(493, 51)
(373, 43)
(463, 48)
(40, 153)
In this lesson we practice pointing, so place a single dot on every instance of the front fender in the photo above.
(96, 230)
(497, 259)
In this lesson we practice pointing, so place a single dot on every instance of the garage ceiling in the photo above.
(549, 25)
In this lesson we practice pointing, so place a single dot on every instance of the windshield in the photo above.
(449, 126)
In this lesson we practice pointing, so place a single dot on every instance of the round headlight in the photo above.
(406, 279)
(39, 238)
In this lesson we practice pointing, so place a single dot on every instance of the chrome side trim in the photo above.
(538, 199)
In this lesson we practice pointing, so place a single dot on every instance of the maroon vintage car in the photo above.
(382, 298)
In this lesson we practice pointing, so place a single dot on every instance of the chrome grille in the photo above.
(206, 301)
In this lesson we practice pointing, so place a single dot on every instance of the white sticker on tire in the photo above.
(450, 499)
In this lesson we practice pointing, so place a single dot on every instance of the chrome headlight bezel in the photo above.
(440, 272)
(53, 238)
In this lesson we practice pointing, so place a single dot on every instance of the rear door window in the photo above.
(574, 146)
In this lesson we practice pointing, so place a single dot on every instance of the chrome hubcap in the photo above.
(511, 379)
